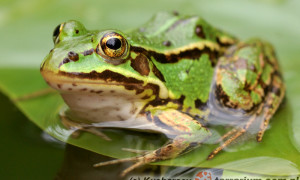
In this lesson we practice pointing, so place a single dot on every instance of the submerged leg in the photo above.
(77, 127)
(189, 133)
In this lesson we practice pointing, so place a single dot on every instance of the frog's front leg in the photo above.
(78, 127)
(188, 134)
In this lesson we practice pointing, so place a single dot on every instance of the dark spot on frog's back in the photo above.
(199, 32)
(141, 64)
(200, 105)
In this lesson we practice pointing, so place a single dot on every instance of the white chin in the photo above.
(94, 104)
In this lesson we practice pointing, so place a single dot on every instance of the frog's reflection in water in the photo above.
(78, 165)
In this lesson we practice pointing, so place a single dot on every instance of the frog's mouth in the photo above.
(99, 83)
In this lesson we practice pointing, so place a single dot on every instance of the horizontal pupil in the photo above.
(113, 43)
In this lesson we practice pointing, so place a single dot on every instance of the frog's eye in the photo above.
(113, 47)
(56, 33)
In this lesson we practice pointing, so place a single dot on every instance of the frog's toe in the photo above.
(96, 132)
(92, 130)
(140, 161)
(75, 134)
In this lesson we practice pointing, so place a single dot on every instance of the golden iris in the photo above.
(113, 45)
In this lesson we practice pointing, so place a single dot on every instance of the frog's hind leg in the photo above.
(248, 79)
(272, 102)
(266, 109)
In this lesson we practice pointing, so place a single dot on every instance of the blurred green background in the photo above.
(26, 37)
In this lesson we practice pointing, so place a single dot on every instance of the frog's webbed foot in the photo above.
(190, 135)
(79, 127)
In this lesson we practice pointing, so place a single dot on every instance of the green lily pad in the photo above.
(275, 152)
(278, 22)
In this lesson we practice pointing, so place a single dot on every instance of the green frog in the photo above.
(178, 74)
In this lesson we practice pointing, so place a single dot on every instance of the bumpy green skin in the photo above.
(186, 62)
(179, 30)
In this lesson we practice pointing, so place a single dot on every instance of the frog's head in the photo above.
(100, 62)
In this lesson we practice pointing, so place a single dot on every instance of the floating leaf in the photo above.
(277, 154)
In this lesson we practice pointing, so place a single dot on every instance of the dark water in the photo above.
(24, 152)
(29, 153)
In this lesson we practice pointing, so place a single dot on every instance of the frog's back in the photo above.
(170, 33)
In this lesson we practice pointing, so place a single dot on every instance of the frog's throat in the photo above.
(98, 83)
